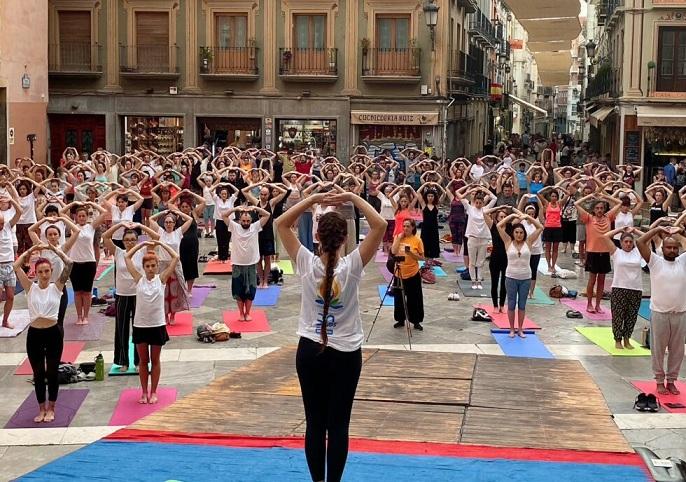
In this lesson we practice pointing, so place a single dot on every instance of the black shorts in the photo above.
(156, 335)
(82, 276)
(598, 263)
(568, 231)
(267, 247)
(147, 203)
(552, 235)
(533, 264)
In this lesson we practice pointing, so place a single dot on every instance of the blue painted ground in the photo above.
(145, 461)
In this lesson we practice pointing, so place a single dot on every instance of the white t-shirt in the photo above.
(58, 224)
(173, 240)
(476, 172)
(149, 303)
(43, 303)
(666, 284)
(28, 209)
(536, 246)
(476, 224)
(246, 248)
(627, 269)
(221, 207)
(344, 326)
(123, 282)
(6, 242)
(387, 212)
(208, 196)
(82, 251)
(623, 220)
(121, 216)
(318, 212)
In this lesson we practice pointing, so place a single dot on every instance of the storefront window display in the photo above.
(300, 135)
(663, 143)
(394, 138)
(221, 132)
(162, 135)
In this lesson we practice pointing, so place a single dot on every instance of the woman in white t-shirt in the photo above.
(121, 211)
(627, 284)
(206, 182)
(149, 323)
(625, 215)
(477, 233)
(387, 211)
(176, 296)
(83, 256)
(329, 357)
(125, 288)
(27, 191)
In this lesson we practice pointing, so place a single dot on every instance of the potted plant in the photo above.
(252, 43)
(206, 55)
(365, 44)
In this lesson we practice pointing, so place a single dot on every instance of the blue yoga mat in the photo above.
(114, 369)
(127, 461)
(644, 311)
(529, 347)
(437, 270)
(389, 298)
(267, 296)
(70, 296)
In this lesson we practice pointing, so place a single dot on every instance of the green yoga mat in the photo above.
(106, 272)
(114, 369)
(602, 336)
(540, 298)
(286, 266)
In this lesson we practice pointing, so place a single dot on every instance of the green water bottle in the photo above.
(99, 368)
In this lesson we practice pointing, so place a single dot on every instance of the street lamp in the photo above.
(590, 48)
(431, 18)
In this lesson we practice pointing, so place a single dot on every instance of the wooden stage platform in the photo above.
(414, 396)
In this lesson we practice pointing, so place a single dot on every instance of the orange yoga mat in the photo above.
(259, 322)
(217, 267)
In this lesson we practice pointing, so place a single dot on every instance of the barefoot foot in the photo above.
(590, 309)
(618, 345)
(40, 417)
(671, 388)
(599, 310)
(49, 416)
(627, 344)
(661, 389)
(512, 334)
(124, 368)
(153, 398)
(143, 399)
(521, 334)
(7, 324)
(248, 318)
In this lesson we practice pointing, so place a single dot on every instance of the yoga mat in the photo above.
(217, 267)
(70, 353)
(199, 295)
(70, 296)
(602, 336)
(451, 257)
(529, 347)
(114, 369)
(258, 324)
(385, 273)
(267, 296)
(543, 266)
(580, 305)
(648, 386)
(103, 270)
(437, 270)
(128, 410)
(20, 319)
(90, 332)
(68, 403)
(183, 324)
(466, 287)
(500, 319)
(644, 310)
(461, 269)
(540, 298)
(286, 266)
(381, 257)
(389, 298)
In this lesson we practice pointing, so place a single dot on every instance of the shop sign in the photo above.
(516, 43)
(394, 118)
(10, 135)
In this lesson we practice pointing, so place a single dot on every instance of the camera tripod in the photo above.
(397, 284)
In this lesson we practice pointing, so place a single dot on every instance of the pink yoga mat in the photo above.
(648, 386)
(128, 410)
(580, 305)
(199, 295)
(259, 322)
(500, 319)
(68, 403)
(69, 354)
(385, 273)
(102, 266)
(381, 257)
(453, 258)
(183, 325)
(90, 332)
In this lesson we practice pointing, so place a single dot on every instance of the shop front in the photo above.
(221, 132)
(664, 135)
(159, 134)
(299, 135)
(395, 131)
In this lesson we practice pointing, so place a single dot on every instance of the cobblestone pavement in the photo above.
(189, 365)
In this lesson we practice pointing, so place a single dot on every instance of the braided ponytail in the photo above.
(332, 231)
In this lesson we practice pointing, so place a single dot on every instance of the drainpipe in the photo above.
(444, 143)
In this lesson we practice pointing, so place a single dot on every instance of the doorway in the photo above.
(86, 133)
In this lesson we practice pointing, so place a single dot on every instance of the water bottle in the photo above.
(99, 368)
(95, 292)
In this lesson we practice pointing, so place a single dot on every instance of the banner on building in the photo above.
(496, 92)
(516, 43)
(394, 118)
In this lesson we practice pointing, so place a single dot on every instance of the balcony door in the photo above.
(309, 42)
(75, 40)
(671, 69)
(393, 53)
(152, 51)
(231, 52)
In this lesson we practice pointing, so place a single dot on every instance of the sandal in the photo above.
(574, 314)
(203, 259)
(653, 405)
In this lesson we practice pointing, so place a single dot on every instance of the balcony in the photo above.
(611, 10)
(391, 65)
(461, 73)
(308, 65)
(74, 59)
(469, 6)
(605, 84)
(228, 63)
(481, 87)
(149, 61)
(482, 30)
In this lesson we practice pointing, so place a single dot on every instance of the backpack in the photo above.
(220, 332)
(556, 292)
(204, 333)
(67, 373)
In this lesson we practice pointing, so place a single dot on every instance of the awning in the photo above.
(661, 116)
(553, 67)
(528, 105)
(600, 115)
(527, 9)
(552, 46)
(551, 29)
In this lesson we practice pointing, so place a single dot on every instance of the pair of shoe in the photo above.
(454, 297)
(477, 286)
(646, 402)
(418, 327)
(399, 324)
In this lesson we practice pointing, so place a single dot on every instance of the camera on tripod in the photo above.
(398, 259)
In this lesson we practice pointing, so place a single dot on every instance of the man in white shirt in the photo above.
(245, 255)
(668, 305)
(9, 215)
(477, 170)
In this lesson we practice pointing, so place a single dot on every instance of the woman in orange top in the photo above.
(406, 202)
(408, 245)
(552, 232)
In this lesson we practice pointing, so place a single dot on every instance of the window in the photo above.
(152, 41)
(671, 70)
(230, 30)
(393, 32)
(74, 39)
(310, 31)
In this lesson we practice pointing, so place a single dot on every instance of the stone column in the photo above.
(191, 74)
(112, 46)
(271, 8)
(633, 55)
(352, 47)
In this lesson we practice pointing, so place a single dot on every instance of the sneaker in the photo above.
(456, 296)
(479, 286)
(399, 324)
(641, 402)
(418, 327)
(474, 286)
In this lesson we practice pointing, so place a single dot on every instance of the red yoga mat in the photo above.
(70, 353)
(259, 322)
(183, 325)
(648, 386)
(217, 267)
(128, 410)
(500, 319)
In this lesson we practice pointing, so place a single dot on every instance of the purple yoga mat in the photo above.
(385, 273)
(580, 305)
(199, 296)
(68, 403)
(89, 332)
(452, 257)
(381, 257)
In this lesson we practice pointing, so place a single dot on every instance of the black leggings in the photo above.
(44, 349)
(125, 310)
(498, 271)
(328, 380)
(64, 302)
(415, 300)
(223, 239)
